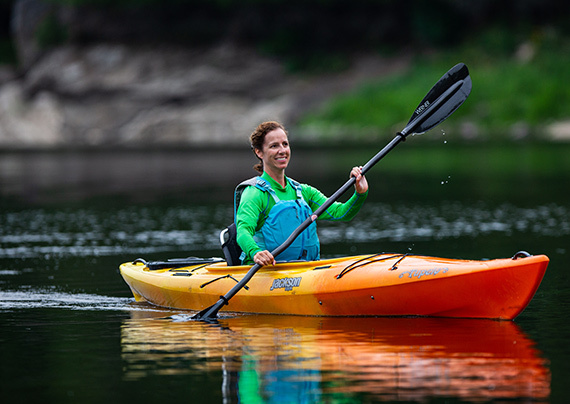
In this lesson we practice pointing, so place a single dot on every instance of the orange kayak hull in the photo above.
(368, 285)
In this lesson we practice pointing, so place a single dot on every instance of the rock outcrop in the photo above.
(113, 95)
(105, 95)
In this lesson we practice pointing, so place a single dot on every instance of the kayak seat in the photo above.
(230, 247)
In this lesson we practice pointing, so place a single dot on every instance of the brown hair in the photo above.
(257, 138)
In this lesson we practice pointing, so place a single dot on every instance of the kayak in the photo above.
(365, 285)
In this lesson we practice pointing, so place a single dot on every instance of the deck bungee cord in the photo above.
(369, 260)
(220, 278)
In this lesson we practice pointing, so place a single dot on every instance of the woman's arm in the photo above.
(250, 211)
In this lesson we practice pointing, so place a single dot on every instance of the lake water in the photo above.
(71, 332)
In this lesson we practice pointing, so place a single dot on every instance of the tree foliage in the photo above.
(304, 33)
(302, 26)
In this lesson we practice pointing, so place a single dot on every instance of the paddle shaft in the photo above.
(425, 111)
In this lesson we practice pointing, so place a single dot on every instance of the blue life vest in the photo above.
(282, 220)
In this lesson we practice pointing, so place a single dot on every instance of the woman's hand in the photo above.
(361, 184)
(264, 258)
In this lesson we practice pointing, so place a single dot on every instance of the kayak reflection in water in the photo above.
(269, 207)
(305, 359)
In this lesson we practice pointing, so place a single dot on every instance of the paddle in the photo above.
(441, 101)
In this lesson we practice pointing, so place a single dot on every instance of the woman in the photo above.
(269, 207)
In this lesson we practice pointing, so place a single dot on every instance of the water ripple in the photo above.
(142, 230)
(413, 222)
(50, 298)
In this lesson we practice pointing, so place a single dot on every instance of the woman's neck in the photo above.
(278, 176)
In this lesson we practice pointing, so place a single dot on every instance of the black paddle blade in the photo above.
(443, 99)
(209, 313)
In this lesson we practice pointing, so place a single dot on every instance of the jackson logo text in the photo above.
(286, 283)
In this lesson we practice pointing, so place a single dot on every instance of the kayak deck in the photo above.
(367, 285)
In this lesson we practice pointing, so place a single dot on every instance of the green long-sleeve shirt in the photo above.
(255, 205)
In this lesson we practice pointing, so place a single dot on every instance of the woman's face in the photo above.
(276, 152)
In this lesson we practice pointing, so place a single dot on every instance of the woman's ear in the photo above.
(258, 153)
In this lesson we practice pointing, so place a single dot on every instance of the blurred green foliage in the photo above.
(7, 51)
(51, 32)
(507, 89)
(312, 35)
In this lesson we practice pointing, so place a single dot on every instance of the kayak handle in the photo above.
(521, 254)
